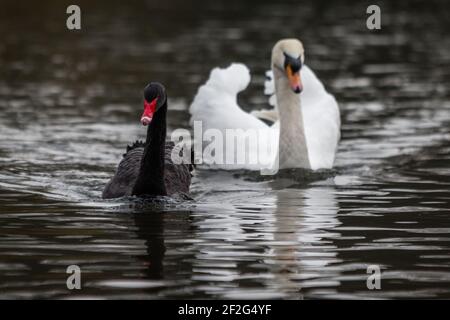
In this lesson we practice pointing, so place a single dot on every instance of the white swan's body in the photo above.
(310, 121)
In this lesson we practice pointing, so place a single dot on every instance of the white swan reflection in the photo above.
(275, 244)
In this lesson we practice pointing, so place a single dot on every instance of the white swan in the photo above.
(307, 127)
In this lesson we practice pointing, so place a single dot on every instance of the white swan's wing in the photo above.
(321, 121)
(215, 103)
(269, 90)
(269, 87)
(266, 114)
(215, 108)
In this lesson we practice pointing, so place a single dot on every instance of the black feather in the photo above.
(136, 144)
(147, 168)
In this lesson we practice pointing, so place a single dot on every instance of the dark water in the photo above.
(70, 102)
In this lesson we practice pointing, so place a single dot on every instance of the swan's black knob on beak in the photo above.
(294, 63)
(292, 67)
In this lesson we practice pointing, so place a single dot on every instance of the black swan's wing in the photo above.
(177, 177)
(121, 184)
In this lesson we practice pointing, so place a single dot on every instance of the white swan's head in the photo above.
(288, 56)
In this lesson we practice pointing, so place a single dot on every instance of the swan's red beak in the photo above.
(294, 79)
(149, 110)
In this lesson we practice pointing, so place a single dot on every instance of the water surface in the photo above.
(70, 103)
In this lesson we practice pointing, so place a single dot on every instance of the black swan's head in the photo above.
(154, 98)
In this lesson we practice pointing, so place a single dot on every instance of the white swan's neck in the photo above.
(293, 151)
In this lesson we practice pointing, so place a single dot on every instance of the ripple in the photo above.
(71, 105)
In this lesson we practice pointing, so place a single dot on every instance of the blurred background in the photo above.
(70, 102)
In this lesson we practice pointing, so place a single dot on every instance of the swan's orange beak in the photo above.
(149, 110)
(294, 79)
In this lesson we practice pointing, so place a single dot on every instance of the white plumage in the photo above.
(216, 106)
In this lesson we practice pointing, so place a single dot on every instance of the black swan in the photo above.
(147, 168)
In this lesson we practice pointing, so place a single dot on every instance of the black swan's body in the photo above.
(147, 168)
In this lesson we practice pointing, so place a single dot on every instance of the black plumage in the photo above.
(147, 168)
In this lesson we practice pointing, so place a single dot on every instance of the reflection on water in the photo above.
(70, 104)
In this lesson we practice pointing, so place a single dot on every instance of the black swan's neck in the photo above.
(150, 180)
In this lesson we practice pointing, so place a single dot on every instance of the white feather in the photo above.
(216, 106)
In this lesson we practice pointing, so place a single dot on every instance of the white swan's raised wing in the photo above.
(269, 90)
(215, 108)
(215, 103)
(322, 121)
